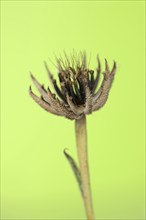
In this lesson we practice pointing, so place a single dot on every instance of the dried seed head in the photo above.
(76, 96)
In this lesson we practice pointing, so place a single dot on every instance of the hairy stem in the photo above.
(81, 139)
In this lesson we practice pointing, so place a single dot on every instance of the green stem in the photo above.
(81, 140)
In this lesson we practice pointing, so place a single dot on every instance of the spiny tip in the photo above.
(106, 65)
(114, 68)
(31, 75)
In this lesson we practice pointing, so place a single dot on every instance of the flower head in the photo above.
(77, 94)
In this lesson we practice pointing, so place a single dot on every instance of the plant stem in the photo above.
(81, 140)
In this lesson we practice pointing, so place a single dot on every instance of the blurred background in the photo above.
(37, 181)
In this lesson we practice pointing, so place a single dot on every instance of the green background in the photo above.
(37, 182)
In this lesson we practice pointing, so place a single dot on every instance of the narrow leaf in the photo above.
(75, 169)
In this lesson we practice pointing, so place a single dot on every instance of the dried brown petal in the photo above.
(105, 88)
(42, 103)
